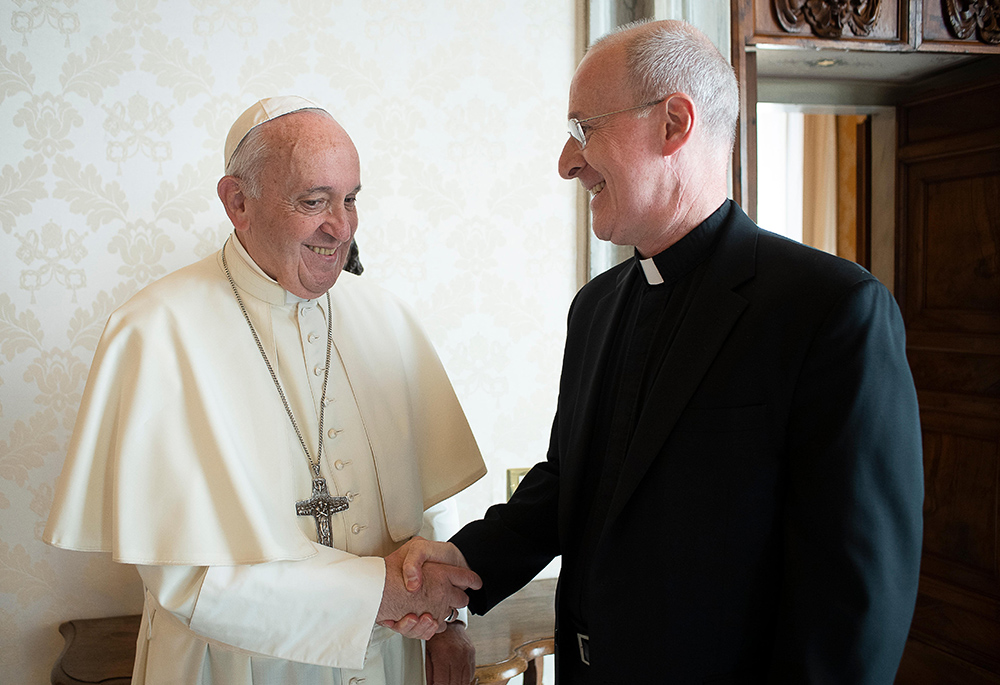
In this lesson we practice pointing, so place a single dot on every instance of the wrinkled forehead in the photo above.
(599, 82)
(313, 149)
(308, 132)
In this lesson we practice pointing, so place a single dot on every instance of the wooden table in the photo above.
(510, 640)
(513, 637)
(97, 650)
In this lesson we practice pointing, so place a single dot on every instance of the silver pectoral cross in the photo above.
(321, 506)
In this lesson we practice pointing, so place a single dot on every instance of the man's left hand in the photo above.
(451, 657)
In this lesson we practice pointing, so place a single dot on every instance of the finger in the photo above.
(405, 625)
(417, 552)
(464, 578)
(461, 578)
(455, 598)
(427, 627)
(408, 626)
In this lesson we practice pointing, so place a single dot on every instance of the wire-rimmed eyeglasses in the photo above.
(576, 130)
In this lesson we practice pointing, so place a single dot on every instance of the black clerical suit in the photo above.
(753, 514)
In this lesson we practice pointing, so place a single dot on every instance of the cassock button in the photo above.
(339, 465)
(357, 529)
(312, 337)
(333, 432)
(318, 371)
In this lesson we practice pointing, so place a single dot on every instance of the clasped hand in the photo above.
(424, 581)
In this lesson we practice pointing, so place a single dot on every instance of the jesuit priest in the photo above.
(736, 445)
(258, 442)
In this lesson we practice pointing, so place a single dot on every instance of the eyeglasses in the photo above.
(576, 130)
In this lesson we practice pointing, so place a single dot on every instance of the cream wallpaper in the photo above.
(112, 120)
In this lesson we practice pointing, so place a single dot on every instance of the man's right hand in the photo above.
(436, 577)
(418, 551)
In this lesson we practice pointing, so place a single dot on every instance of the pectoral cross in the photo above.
(321, 506)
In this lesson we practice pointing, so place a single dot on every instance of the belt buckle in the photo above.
(583, 642)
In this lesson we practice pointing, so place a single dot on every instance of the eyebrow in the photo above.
(329, 189)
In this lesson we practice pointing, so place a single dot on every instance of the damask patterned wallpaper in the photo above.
(112, 120)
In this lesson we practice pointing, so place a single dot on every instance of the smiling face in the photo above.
(621, 166)
(299, 230)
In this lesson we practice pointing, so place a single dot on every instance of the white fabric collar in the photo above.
(649, 269)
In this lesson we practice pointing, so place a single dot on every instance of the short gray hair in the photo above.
(676, 57)
(248, 161)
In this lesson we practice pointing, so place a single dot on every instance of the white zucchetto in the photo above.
(261, 111)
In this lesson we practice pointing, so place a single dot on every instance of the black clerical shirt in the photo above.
(645, 328)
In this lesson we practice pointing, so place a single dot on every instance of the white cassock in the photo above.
(184, 462)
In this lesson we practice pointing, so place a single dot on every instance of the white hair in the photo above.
(248, 162)
(676, 57)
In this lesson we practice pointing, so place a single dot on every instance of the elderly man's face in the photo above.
(301, 227)
(620, 166)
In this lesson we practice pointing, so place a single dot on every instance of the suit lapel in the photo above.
(597, 347)
(712, 315)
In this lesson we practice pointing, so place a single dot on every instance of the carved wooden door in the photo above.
(948, 285)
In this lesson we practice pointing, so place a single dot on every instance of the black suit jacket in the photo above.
(766, 525)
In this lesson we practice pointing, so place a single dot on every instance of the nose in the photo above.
(571, 160)
(339, 223)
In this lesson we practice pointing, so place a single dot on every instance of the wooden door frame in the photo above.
(744, 61)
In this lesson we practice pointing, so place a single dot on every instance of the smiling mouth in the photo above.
(325, 251)
(597, 188)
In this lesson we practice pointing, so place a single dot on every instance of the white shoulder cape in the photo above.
(180, 454)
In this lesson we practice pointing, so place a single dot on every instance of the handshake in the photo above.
(425, 584)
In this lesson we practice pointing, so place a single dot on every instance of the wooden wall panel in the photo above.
(927, 665)
(960, 504)
(953, 265)
(949, 287)
(923, 123)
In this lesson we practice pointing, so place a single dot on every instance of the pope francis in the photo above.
(258, 443)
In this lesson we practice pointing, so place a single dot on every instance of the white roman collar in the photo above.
(649, 269)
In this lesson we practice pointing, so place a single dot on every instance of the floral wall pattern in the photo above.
(113, 115)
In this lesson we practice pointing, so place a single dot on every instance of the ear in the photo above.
(234, 201)
(679, 110)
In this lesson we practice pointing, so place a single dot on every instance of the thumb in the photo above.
(417, 552)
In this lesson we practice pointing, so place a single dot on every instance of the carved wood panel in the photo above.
(849, 21)
(979, 18)
(943, 25)
(828, 18)
(966, 25)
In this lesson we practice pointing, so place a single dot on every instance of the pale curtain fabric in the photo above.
(829, 183)
(847, 183)
(819, 182)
